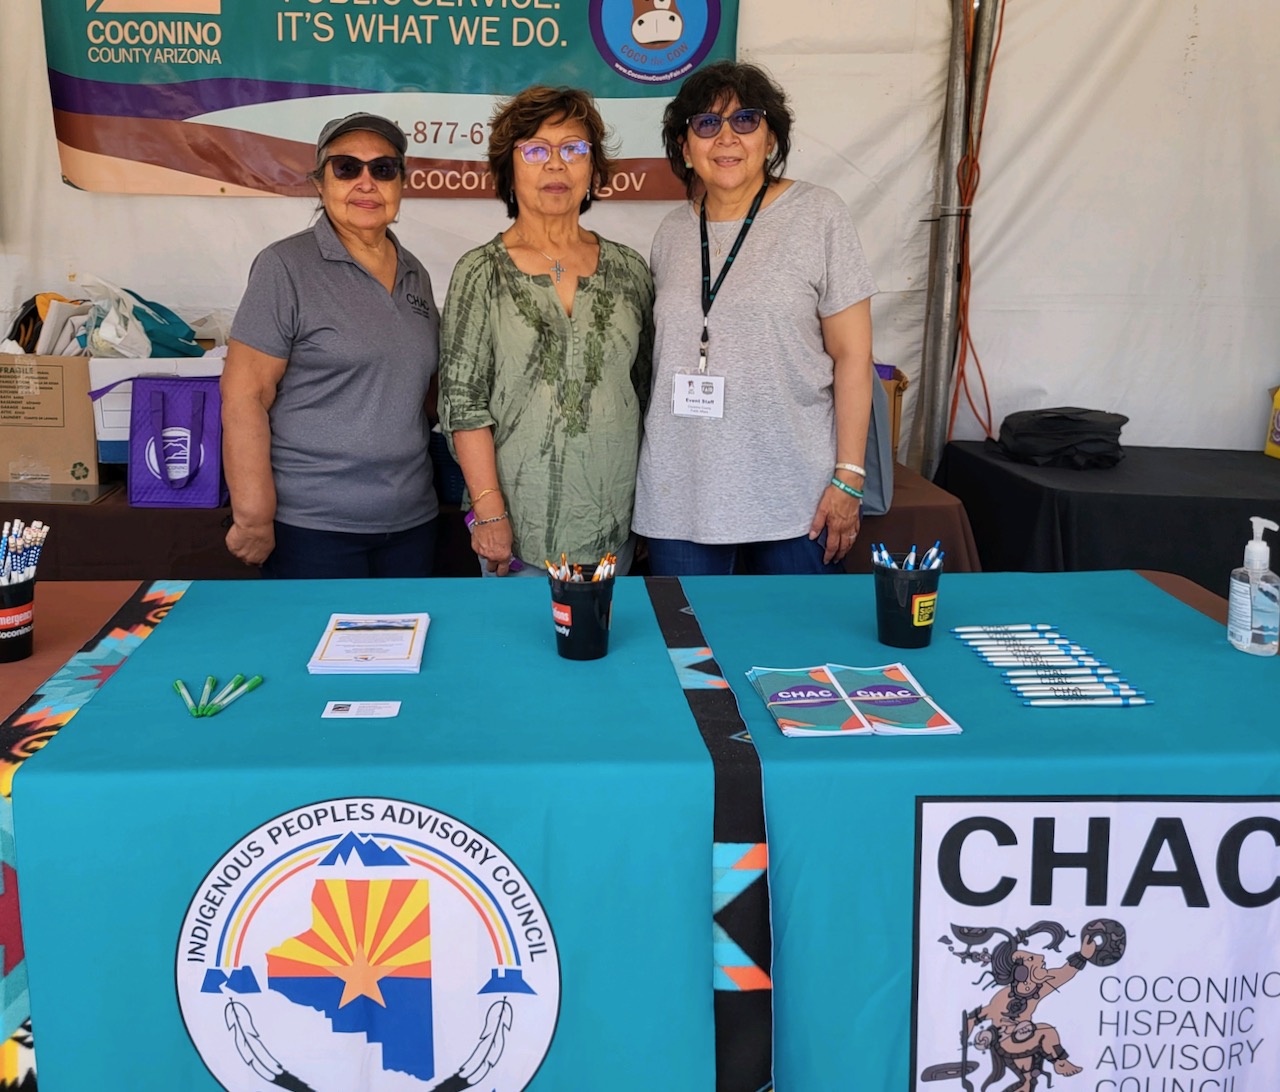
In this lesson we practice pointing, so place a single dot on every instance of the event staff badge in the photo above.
(697, 395)
(368, 943)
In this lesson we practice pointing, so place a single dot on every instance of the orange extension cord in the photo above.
(968, 175)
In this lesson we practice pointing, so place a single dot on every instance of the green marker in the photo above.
(209, 683)
(208, 710)
(252, 684)
(181, 688)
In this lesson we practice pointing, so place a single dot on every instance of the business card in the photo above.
(361, 709)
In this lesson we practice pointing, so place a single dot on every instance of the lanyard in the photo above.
(709, 290)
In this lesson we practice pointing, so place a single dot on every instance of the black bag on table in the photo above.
(1082, 439)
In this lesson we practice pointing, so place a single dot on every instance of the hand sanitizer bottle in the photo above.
(1253, 610)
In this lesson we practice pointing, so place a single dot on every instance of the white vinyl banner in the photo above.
(1132, 945)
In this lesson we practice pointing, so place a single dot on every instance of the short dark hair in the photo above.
(521, 116)
(710, 87)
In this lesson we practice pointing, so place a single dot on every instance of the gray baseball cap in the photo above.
(373, 123)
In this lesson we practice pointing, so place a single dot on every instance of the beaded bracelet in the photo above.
(853, 468)
(846, 488)
(491, 519)
(482, 494)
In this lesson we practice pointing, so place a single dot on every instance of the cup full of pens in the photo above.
(906, 594)
(20, 547)
(582, 606)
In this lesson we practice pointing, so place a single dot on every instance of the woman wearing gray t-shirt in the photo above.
(756, 432)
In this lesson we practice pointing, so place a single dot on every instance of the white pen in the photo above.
(1074, 651)
(1024, 646)
(1044, 661)
(1055, 672)
(1009, 638)
(1077, 691)
(1048, 679)
(1046, 703)
(1000, 629)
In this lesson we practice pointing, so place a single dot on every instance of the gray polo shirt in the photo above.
(348, 426)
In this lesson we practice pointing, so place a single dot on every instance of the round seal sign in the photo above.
(368, 943)
(654, 41)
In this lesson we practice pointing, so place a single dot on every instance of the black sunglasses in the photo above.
(347, 168)
(741, 122)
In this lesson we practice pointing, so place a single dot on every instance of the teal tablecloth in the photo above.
(257, 846)
(871, 970)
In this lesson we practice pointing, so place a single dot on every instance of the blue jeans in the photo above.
(678, 557)
(304, 554)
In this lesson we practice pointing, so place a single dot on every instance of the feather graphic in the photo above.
(497, 1022)
(255, 1054)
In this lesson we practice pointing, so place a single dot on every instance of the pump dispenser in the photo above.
(1253, 609)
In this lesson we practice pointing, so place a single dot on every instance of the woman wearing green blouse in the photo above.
(546, 346)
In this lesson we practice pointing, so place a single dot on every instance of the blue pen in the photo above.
(930, 554)
(910, 562)
(937, 561)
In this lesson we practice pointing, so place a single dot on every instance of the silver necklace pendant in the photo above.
(556, 267)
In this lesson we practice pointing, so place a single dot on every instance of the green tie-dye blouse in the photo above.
(564, 394)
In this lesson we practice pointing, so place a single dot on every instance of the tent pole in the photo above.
(942, 297)
(984, 39)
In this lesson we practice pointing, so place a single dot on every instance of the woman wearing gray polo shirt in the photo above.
(324, 391)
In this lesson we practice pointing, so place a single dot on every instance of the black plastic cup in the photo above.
(581, 611)
(906, 600)
(17, 620)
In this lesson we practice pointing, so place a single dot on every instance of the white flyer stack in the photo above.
(370, 644)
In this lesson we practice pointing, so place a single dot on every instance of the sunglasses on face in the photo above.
(741, 122)
(539, 151)
(347, 168)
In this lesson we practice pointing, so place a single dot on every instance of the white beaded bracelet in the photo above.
(852, 468)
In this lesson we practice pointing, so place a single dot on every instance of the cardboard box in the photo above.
(111, 410)
(1272, 447)
(46, 421)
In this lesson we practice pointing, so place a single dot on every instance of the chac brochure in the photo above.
(835, 700)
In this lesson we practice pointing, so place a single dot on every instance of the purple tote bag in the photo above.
(175, 443)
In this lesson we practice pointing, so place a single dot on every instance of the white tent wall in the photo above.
(1126, 239)
(1124, 252)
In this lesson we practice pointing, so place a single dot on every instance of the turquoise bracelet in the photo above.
(846, 488)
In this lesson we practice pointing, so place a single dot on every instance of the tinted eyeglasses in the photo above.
(741, 122)
(347, 168)
(539, 151)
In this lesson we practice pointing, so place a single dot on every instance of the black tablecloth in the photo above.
(1180, 510)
